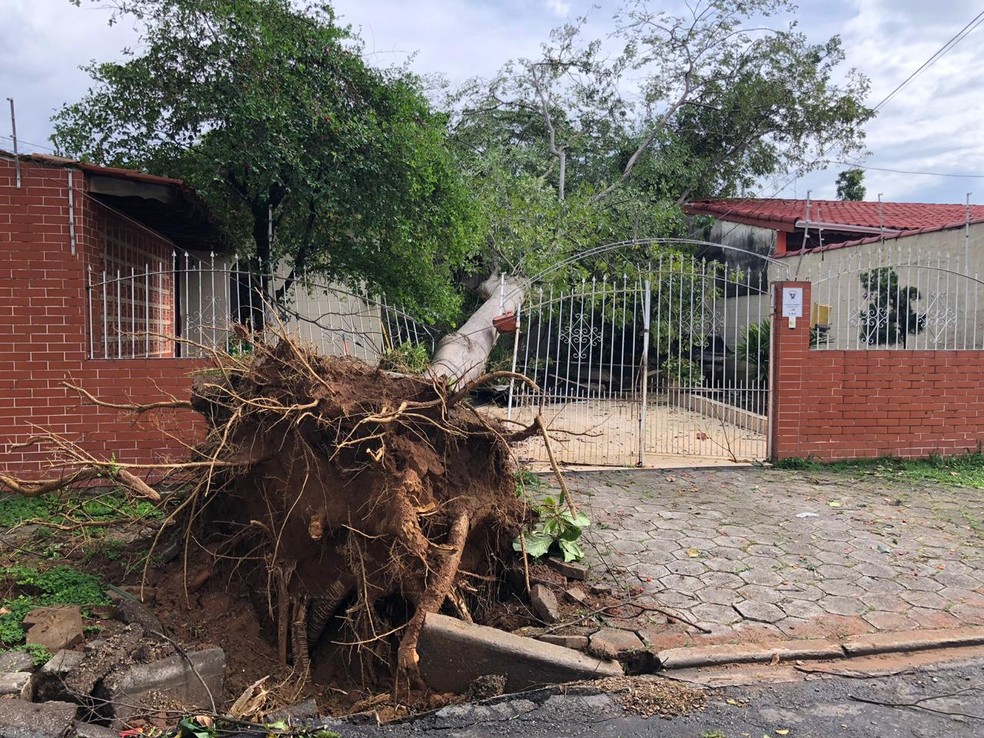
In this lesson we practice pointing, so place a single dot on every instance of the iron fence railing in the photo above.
(190, 306)
(890, 296)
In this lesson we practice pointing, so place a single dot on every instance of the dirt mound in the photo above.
(356, 501)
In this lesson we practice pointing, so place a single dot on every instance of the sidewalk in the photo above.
(758, 555)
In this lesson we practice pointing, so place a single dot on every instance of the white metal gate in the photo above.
(671, 361)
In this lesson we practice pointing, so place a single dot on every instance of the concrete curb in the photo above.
(690, 657)
(913, 640)
(695, 656)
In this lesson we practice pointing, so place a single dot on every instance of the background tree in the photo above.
(269, 111)
(850, 185)
(703, 104)
(890, 315)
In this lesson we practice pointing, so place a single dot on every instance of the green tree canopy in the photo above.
(850, 185)
(703, 104)
(269, 111)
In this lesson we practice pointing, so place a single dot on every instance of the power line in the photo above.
(961, 34)
(855, 165)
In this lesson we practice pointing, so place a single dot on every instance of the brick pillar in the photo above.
(789, 353)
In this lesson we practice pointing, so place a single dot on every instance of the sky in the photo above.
(934, 125)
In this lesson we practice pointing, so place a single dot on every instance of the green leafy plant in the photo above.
(683, 371)
(407, 358)
(557, 530)
(60, 585)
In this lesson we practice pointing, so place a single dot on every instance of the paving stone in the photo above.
(885, 620)
(802, 609)
(885, 602)
(20, 719)
(609, 642)
(681, 584)
(763, 577)
(762, 612)
(723, 565)
(711, 614)
(840, 588)
(842, 605)
(576, 595)
(929, 600)
(545, 603)
(879, 586)
(689, 567)
(570, 569)
(577, 642)
(932, 619)
(755, 593)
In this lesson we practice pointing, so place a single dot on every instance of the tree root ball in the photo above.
(365, 500)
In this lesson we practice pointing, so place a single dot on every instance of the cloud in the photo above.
(558, 8)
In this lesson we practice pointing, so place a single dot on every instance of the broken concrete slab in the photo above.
(88, 730)
(577, 642)
(16, 683)
(453, 654)
(54, 628)
(694, 656)
(21, 719)
(49, 684)
(570, 569)
(196, 685)
(913, 640)
(15, 661)
(545, 603)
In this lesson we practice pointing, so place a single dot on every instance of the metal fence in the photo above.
(886, 296)
(670, 361)
(188, 307)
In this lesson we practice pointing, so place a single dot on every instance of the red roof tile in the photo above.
(902, 216)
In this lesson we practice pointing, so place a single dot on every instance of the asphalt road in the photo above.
(950, 698)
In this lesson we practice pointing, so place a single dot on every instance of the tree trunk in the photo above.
(461, 356)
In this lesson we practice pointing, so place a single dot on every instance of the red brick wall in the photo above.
(834, 405)
(43, 338)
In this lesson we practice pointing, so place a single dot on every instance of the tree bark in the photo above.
(461, 356)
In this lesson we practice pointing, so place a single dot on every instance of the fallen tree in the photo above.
(366, 499)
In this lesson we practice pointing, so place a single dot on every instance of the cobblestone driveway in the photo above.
(755, 554)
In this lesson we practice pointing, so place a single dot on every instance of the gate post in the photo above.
(788, 354)
(645, 375)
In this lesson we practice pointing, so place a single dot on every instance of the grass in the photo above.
(102, 505)
(33, 588)
(966, 470)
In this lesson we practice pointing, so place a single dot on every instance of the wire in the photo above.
(977, 20)
(856, 165)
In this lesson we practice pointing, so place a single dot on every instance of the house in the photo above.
(936, 249)
(61, 223)
(122, 283)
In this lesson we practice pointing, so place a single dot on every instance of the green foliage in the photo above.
(965, 470)
(754, 346)
(266, 107)
(39, 654)
(407, 358)
(850, 185)
(17, 509)
(683, 372)
(890, 315)
(60, 585)
(582, 146)
(556, 531)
